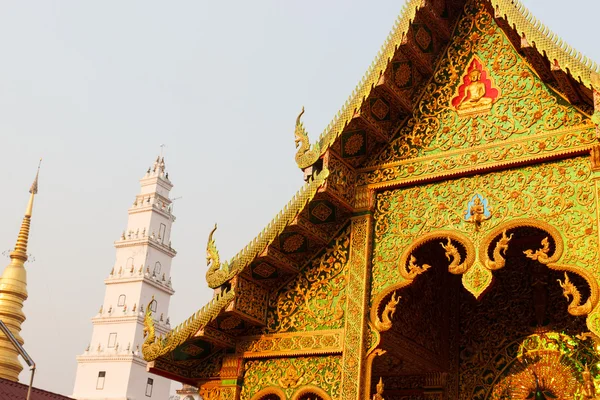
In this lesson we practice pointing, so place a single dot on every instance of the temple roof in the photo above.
(517, 16)
(327, 201)
(16, 390)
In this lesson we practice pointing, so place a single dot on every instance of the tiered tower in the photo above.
(13, 292)
(112, 366)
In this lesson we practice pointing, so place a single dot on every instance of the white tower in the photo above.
(112, 366)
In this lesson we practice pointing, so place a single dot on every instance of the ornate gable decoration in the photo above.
(477, 93)
(513, 108)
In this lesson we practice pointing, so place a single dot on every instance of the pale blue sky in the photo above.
(95, 87)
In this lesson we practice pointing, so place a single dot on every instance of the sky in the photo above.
(96, 87)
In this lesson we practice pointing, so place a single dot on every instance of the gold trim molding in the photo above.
(291, 344)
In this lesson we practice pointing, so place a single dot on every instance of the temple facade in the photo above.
(112, 366)
(445, 244)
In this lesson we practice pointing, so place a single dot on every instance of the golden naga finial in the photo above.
(217, 274)
(452, 254)
(540, 254)
(570, 290)
(385, 323)
(305, 155)
(212, 254)
(498, 260)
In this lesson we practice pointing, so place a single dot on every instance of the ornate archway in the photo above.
(310, 393)
(475, 260)
(526, 298)
(270, 393)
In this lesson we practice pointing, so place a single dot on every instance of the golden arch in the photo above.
(481, 254)
(430, 237)
(409, 276)
(522, 223)
(267, 391)
(310, 390)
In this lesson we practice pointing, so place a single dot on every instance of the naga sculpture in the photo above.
(541, 254)
(386, 317)
(216, 274)
(154, 347)
(150, 343)
(453, 256)
(570, 290)
(500, 249)
(414, 269)
(305, 156)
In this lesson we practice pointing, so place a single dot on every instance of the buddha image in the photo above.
(474, 92)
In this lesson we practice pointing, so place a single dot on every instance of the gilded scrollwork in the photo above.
(526, 107)
(558, 198)
(314, 300)
(356, 329)
(482, 158)
(251, 299)
(291, 344)
(290, 375)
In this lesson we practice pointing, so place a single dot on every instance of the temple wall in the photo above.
(314, 299)
(292, 375)
(560, 194)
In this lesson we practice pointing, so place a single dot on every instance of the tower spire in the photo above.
(13, 292)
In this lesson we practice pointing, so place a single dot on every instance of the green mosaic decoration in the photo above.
(525, 108)
(315, 298)
(290, 375)
(560, 194)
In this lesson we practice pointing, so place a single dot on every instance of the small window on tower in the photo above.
(153, 305)
(100, 381)
(162, 232)
(149, 386)
(121, 301)
(112, 340)
(157, 267)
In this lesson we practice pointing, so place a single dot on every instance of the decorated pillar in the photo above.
(593, 318)
(229, 387)
(356, 307)
(595, 78)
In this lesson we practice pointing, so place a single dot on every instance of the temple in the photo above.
(445, 244)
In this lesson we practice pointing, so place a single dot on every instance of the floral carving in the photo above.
(526, 110)
(292, 374)
(560, 194)
(314, 299)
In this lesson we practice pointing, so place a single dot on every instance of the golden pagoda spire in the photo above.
(13, 292)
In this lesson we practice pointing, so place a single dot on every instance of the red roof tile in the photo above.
(16, 390)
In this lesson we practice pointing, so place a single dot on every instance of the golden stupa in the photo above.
(13, 292)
